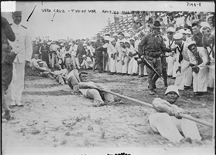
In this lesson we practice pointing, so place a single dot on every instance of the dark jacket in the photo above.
(7, 34)
(198, 39)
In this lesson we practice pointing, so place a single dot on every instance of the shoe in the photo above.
(173, 78)
(186, 87)
(7, 115)
(151, 92)
(165, 85)
(12, 106)
(154, 87)
(111, 73)
(139, 76)
(210, 89)
(19, 104)
(186, 139)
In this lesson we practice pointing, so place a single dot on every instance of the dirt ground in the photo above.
(55, 117)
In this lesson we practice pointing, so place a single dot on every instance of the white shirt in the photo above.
(73, 50)
(22, 45)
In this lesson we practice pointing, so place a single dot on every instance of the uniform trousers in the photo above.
(99, 97)
(170, 127)
(200, 80)
(17, 84)
(185, 77)
(152, 76)
(7, 70)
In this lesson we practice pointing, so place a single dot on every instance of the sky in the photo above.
(69, 24)
(85, 25)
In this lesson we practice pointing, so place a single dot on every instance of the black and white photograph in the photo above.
(108, 78)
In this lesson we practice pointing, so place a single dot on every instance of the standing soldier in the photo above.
(98, 55)
(151, 47)
(23, 46)
(6, 62)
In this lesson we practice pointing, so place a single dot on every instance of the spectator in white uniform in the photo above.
(184, 71)
(171, 57)
(198, 60)
(23, 46)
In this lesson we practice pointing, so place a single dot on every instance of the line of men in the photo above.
(168, 54)
(188, 58)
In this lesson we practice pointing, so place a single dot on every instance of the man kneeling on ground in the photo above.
(168, 122)
(80, 83)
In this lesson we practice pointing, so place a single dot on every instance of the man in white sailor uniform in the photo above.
(23, 46)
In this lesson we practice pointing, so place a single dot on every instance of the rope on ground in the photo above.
(151, 106)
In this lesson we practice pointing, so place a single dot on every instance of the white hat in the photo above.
(171, 29)
(136, 35)
(172, 88)
(106, 37)
(123, 41)
(178, 36)
(188, 31)
(127, 34)
(182, 31)
(132, 38)
(111, 39)
(84, 56)
(205, 24)
(191, 43)
(115, 34)
(127, 41)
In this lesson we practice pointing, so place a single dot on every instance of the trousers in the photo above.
(170, 127)
(7, 70)
(152, 77)
(99, 97)
(17, 84)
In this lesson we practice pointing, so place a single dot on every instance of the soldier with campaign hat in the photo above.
(23, 46)
(151, 47)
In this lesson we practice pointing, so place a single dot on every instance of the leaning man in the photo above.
(168, 122)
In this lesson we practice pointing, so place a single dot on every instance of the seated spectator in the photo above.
(80, 83)
(87, 62)
(39, 65)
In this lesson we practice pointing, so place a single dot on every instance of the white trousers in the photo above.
(125, 66)
(17, 84)
(170, 64)
(132, 66)
(75, 62)
(144, 70)
(185, 77)
(118, 66)
(200, 80)
(112, 65)
(170, 127)
(211, 75)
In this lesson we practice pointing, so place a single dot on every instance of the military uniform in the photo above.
(23, 46)
(153, 47)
